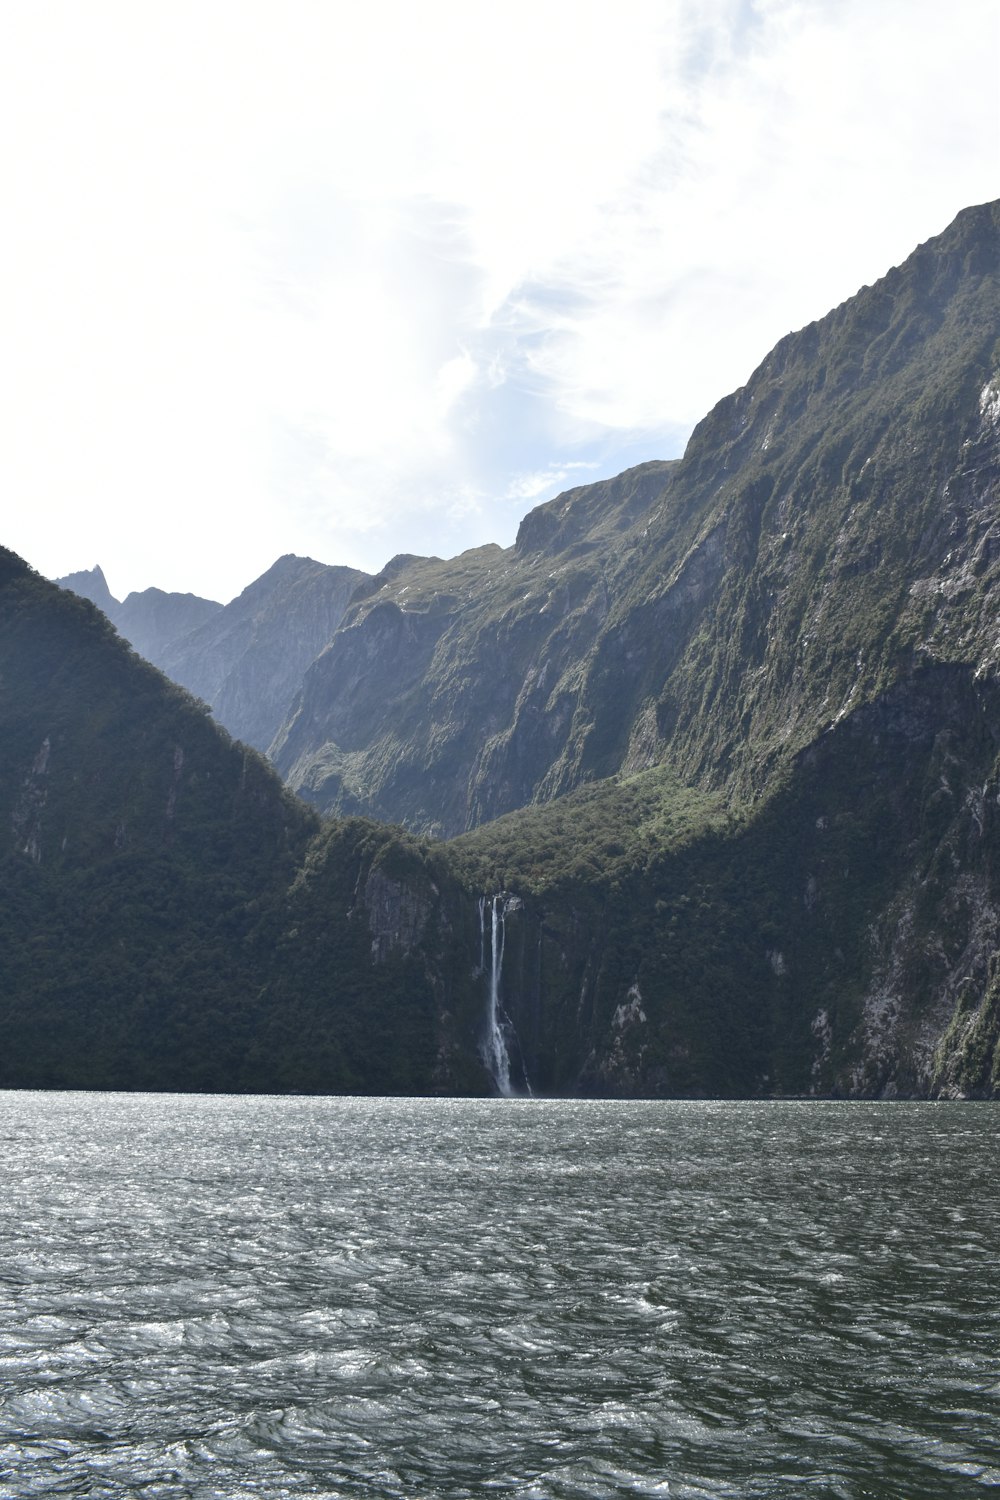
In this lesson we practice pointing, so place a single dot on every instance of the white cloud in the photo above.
(529, 487)
(348, 280)
(789, 170)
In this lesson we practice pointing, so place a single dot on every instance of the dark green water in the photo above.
(212, 1297)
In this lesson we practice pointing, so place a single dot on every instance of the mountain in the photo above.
(830, 525)
(246, 658)
(719, 740)
(91, 584)
(447, 695)
(152, 872)
(149, 620)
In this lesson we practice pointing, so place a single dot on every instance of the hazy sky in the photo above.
(354, 279)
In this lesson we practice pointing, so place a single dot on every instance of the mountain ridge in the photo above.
(722, 735)
(604, 658)
(240, 657)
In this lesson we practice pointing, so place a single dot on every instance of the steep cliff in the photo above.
(247, 660)
(829, 523)
(839, 937)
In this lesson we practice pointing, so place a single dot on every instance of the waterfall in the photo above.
(495, 1054)
(482, 935)
(500, 1034)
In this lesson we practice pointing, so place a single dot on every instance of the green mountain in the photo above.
(828, 526)
(148, 877)
(449, 694)
(719, 740)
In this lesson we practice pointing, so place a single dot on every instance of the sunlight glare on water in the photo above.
(236, 1297)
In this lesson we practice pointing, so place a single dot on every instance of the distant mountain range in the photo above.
(245, 659)
(715, 745)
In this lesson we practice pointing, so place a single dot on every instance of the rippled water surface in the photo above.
(285, 1297)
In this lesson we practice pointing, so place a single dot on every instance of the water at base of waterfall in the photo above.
(229, 1298)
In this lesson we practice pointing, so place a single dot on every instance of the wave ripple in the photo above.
(219, 1298)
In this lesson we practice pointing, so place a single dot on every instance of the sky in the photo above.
(348, 280)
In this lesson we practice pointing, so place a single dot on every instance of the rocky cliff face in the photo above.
(90, 583)
(829, 523)
(855, 486)
(247, 660)
(449, 692)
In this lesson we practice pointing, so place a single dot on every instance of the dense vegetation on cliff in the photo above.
(838, 936)
(147, 887)
(720, 740)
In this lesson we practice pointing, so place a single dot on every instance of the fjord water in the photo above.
(223, 1297)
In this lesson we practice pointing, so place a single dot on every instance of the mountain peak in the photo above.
(90, 584)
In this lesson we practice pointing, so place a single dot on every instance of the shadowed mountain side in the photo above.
(247, 660)
(841, 938)
(149, 620)
(145, 877)
(244, 659)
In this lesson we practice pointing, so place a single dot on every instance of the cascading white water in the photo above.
(482, 934)
(495, 1052)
